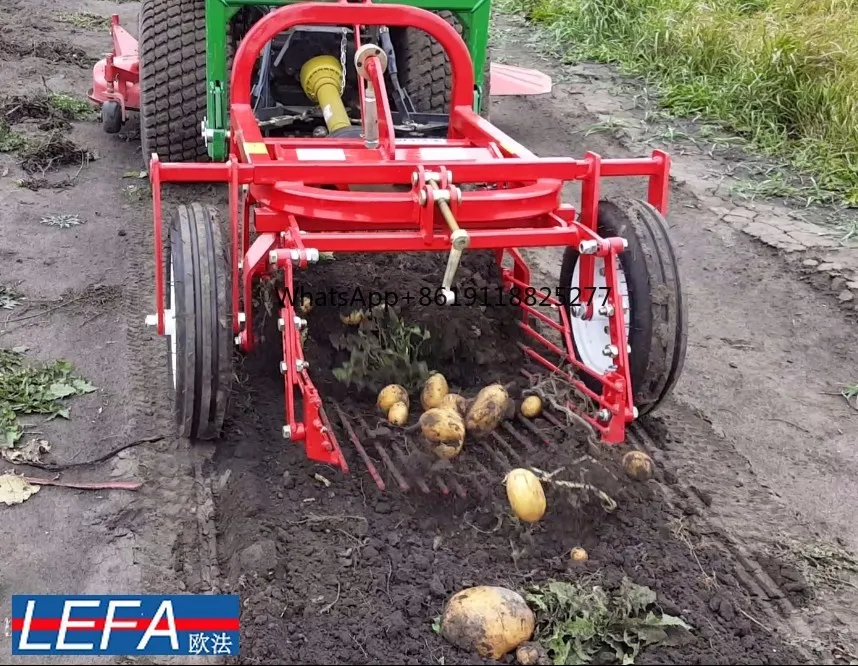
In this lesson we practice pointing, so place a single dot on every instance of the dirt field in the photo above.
(746, 534)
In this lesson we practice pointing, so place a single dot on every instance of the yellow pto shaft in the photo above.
(320, 80)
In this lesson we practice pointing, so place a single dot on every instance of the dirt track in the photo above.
(755, 465)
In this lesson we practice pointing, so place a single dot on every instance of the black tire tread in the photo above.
(172, 51)
(425, 71)
(669, 308)
(658, 333)
(203, 327)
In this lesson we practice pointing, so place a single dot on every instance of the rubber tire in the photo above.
(204, 336)
(172, 50)
(425, 73)
(111, 117)
(658, 319)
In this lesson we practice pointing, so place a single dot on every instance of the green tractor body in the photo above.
(186, 46)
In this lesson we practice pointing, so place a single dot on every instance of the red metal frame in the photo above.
(116, 78)
(274, 184)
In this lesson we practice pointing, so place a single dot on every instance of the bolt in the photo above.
(588, 247)
(625, 243)
(611, 350)
(414, 178)
(603, 415)
(606, 310)
(301, 365)
(237, 340)
(242, 317)
(287, 432)
(280, 323)
(602, 270)
(628, 349)
(421, 198)
(607, 329)
(312, 255)
(240, 264)
(635, 412)
(272, 257)
(300, 323)
(152, 320)
(283, 367)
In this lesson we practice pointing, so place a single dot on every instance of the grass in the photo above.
(33, 389)
(86, 20)
(782, 74)
(71, 108)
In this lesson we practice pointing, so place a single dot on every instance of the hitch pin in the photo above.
(460, 240)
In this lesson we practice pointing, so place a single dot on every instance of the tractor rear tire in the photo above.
(199, 304)
(425, 73)
(650, 286)
(172, 50)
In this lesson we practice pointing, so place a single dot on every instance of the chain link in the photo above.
(343, 44)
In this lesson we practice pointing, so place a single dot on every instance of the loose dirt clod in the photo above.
(51, 51)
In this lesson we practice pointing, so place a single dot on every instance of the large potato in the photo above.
(487, 410)
(390, 395)
(441, 425)
(488, 620)
(434, 391)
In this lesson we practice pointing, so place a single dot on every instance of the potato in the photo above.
(398, 414)
(531, 407)
(578, 555)
(448, 450)
(354, 318)
(434, 391)
(488, 620)
(440, 425)
(525, 494)
(390, 395)
(529, 654)
(455, 401)
(487, 410)
(638, 465)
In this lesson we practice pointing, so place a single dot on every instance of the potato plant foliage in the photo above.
(383, 350)
(575, 622)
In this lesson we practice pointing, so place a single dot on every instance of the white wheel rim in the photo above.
(170, 324)
(592, 336)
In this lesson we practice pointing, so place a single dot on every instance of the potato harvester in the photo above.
(318, 157)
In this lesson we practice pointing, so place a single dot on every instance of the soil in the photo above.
(752, 452)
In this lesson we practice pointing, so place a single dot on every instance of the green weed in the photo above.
(577, 620)
(30, 389)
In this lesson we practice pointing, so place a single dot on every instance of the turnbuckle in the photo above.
(459, 237)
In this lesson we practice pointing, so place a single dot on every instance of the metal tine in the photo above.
(552, 419)
(512, 452)
(503, 462)
(460, 491)
(388, 462)
(530, 426)
(363, 454)
(517, 435)
(403, 484)
(402, 459)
